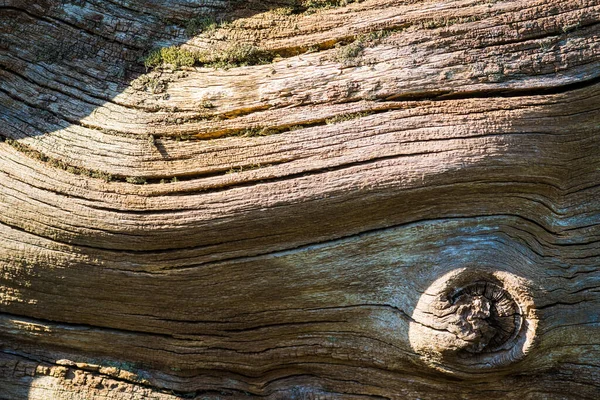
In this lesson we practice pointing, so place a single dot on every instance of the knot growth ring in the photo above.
(469, 322)
(484, 316)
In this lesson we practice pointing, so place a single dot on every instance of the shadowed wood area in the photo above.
(288, 199)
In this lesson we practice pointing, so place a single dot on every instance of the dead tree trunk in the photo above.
(299, 199)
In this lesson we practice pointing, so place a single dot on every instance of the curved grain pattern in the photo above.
(282, 230)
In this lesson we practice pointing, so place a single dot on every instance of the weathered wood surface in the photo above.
(335, 255)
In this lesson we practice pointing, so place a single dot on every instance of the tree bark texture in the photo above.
(394, 200)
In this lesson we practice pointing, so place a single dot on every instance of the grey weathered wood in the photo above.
(308, 261)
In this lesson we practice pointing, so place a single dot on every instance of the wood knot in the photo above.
(484, 316)
(473, 321)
